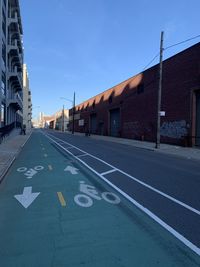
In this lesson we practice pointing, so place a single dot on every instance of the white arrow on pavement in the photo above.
(27, 197)
(71, 169)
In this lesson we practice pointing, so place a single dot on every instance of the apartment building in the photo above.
(11, 64)
(27, 103)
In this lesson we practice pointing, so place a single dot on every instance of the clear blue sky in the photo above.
(88, 46)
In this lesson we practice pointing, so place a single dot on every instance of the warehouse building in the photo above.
(129, 109)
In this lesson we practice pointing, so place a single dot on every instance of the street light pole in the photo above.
(73, 111)
(159, 92)
(73, 114)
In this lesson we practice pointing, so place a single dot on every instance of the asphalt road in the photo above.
(61, 206)
(176, 177)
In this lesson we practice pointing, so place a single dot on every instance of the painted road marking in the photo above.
(83, 201)
(71, 169)
(145, 210)
(82, 155)
(128, 175)
(110, 171)
(27, 197)
(38, 168)
(22, 169)
(86, 200)
(29, 173)
(50, 167)
(61, 199)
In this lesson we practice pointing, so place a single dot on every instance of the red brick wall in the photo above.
(181, 74)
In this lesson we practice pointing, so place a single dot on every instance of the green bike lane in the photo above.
(55, 228)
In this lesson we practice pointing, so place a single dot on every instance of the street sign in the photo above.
(81, 123)
(162, 113)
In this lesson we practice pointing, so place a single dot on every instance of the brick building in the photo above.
(129, 109)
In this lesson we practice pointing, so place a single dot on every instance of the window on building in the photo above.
(140, 89)
(110, 99)
(93, 105)
(2, 114)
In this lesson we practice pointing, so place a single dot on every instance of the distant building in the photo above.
(58, 121)
(129, 109)
(27, 103)
(11, 64)
(46, 121)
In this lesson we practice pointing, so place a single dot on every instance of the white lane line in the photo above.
(83, 155)
(110, 171)
(84, 152)
(137, 204)
(143, 183)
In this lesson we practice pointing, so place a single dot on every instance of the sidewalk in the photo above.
(9, 150)
(184, 152)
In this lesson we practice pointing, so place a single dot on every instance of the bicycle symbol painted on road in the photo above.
(86, 200)
(29, 173)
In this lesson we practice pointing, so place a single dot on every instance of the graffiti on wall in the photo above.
(174, 129)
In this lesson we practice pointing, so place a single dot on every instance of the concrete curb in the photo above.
(170, 150)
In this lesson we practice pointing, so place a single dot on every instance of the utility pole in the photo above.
(73, 114)
(159, 92)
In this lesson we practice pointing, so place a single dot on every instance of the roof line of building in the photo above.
(132, 77)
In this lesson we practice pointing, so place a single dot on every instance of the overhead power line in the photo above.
(157, 55)
(151, 61)
(182, 42)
